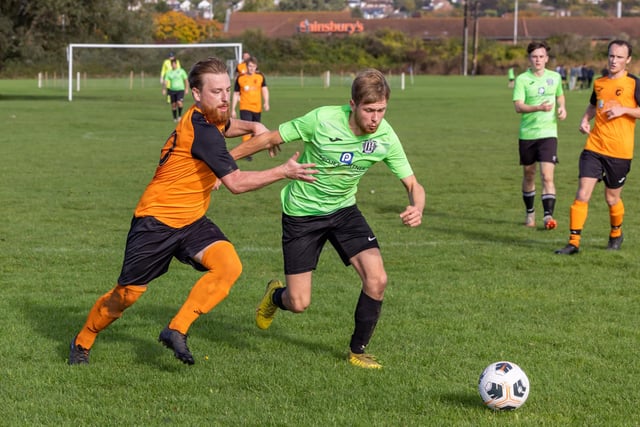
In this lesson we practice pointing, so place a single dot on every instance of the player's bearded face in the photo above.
(216, 114)
(214, 97)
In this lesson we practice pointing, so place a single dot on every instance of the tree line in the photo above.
(34, 36)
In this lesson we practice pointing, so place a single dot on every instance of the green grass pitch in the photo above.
(469, 287)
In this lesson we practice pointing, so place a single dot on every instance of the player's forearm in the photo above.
(633, 112)
(261, 142)
(589, 113)
(254, 180)
(240, 127)
(417, 196)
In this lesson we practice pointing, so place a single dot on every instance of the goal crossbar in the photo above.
(236, 46)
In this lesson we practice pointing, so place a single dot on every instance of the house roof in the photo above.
(287, 24)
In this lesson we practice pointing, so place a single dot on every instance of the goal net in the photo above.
(141, 58)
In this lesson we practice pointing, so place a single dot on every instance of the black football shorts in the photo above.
(151, 245)
(538, 150)
(303, 238)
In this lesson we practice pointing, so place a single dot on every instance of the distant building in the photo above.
(286, 24)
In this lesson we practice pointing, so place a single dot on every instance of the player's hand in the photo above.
(613, 112)
(273, 151)
(545, 106)
(217, 185)
(300, 171)
(411, 217)
(562, 113)
(585, 127)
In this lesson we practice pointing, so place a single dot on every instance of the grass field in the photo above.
(469, 287)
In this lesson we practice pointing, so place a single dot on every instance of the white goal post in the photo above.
(236, 46)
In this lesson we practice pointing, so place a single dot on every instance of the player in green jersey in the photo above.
(343, 142)
(177, 85)
(538, 96)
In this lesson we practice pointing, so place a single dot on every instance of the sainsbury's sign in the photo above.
(330, 27)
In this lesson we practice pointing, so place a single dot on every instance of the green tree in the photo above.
(36, 33)
(258, 6)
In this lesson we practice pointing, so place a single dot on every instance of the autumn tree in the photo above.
(179, 28)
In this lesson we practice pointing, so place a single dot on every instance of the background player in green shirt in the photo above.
(166, 67)
(177, 85)
(343, 142)
(538, 96)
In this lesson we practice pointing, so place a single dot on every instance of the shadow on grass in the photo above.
(61, 323)
(501, 231)
(464, 399)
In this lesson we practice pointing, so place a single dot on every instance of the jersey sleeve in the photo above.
(518, 90)
(559, 88)
(637, 90)
(396, 158)
(209, 146)
(301, 128)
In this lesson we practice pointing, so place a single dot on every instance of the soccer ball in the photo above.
(503, 386)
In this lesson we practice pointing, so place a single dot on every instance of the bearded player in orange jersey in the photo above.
(607, 154)
(170, 220)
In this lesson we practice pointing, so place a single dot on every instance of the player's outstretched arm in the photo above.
(264, 141)
(238, 127)
(242, 181)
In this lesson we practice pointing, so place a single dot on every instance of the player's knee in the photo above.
(612, 200)
(223, 260)
(298, 304)
(121, 298)
(375, 286)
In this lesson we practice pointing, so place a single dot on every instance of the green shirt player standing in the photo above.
(343, 142)
(538, 96)
(177, 85)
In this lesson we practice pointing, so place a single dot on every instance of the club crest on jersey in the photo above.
(346, 158)
(369, 146)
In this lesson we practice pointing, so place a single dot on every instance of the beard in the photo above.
(216, 117)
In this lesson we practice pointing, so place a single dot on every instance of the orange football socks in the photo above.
(616, 214)
(106, 310)
(224, 269)
(577, 218)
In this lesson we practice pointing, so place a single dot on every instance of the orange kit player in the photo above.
(170, 220)
(607, 154)
(252, 93)
(242, 66)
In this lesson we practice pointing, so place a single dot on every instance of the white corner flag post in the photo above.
(237, 47)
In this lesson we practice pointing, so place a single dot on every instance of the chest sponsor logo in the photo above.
(346, 158)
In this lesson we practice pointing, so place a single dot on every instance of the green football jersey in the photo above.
(341, 159)
(535, 90)
(176, 78)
